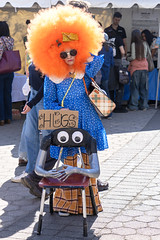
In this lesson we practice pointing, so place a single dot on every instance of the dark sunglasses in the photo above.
(72, 52)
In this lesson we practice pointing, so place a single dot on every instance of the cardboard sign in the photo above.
(53, 119)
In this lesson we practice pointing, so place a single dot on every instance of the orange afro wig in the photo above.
(45, 40)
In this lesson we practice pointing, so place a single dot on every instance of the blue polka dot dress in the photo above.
(76, 99)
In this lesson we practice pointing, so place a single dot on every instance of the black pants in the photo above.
(116, 89)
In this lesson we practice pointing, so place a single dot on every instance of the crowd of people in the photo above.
(142, 44)
(64, 84)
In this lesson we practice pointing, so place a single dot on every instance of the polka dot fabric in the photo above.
(77, 100)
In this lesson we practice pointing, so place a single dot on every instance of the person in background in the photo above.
(117, 36)
(107, 51)
(30, 130)
(6, 43)
(138, 69)
(116, 89)
(151, 40)
(22, 151)
(120, 31)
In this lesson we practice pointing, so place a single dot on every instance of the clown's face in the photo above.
(69, 56)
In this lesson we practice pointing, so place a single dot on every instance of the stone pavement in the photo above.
(131, 206)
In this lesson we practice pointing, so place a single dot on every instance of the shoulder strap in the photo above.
(85, 86)
(95, 84)
(62, 103)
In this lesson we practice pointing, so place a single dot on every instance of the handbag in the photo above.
(10, 62)
(123, 75)
(149, 60)
(99, 99)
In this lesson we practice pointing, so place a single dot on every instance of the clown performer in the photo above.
(63, 43)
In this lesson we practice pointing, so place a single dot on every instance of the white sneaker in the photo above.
(17, 179)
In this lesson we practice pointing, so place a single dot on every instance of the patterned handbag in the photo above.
(101, 102)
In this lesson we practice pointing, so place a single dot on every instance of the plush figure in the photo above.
(68, 137)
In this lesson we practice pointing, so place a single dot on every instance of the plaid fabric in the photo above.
(70, 200)
(104, 105)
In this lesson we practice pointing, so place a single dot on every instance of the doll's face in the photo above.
(69, 56)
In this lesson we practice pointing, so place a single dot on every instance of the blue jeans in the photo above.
(139, 90)
(5, 96)
(31, 134)
(22, 151)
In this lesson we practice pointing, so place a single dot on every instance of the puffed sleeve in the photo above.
(50, 95)
(93, 67)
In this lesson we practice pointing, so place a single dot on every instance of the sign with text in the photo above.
(53, 119)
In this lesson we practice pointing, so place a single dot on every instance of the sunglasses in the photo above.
(72, 52)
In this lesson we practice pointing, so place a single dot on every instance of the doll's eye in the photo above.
(77, 137)
(63, 137)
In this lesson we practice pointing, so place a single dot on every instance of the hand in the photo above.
(90, 59)
(26, 109)
(66, 172)
(53, 173)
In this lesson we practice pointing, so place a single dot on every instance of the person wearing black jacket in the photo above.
(117, 34)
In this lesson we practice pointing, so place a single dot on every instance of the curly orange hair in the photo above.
(47, 27)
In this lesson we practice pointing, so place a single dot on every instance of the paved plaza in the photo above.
(131, 206)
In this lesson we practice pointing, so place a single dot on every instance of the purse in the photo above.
(10, 62)
(99, 99)
(123, 75)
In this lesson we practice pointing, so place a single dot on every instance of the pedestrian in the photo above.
(119, 30)
(70, 45)
(30, 134)
(107, 51)
(22, 152)
(151, 40)
(138, 69)
(117, 36)
(6, 43)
